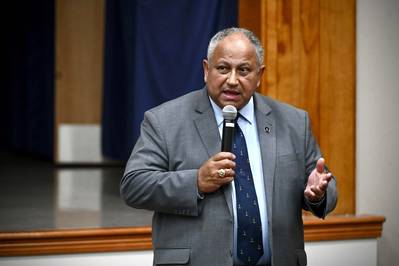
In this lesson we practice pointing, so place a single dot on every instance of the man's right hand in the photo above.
(210, 174)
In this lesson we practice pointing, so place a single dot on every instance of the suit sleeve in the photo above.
(148, 183)
(312, 154)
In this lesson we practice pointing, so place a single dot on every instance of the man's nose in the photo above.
(232, 78)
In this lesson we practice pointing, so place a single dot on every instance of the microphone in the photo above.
(229, 114)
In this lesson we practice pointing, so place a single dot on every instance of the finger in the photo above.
(227, 173)
(230, 172)
(313, 198)
(317, 191)
(323, 185)
(223, 155)
(224, 180)
(309, 191)
(309, 194)
(219, 174)
(327, 177)
(320, 165)
(225, 163)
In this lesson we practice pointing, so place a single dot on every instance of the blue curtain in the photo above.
(153, 53)
(27, 95)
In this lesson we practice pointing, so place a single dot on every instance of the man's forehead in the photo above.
(236, 38)
(238, 47)
(238, 61)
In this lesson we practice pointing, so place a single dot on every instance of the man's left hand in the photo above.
(317, 182)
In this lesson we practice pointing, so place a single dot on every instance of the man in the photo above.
(177, 170)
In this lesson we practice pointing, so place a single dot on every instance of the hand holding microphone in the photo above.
(219, 169)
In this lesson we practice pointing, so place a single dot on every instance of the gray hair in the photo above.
(226, 32)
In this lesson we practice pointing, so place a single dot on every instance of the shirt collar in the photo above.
(247, 111)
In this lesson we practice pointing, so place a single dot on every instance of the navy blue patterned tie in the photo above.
(249, 227)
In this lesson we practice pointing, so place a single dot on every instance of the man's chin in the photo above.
(237, 105)
(222, 102)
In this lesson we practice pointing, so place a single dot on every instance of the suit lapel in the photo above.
(267, 140)
(206, 125)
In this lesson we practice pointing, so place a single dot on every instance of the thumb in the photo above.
(320, 165)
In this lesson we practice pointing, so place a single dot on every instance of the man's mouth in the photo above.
(230, 94)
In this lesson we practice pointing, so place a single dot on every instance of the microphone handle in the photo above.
(228, 135)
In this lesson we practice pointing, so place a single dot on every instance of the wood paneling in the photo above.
(342, 227)
(337, 95)
(249, 13)
(75, 241)
(310, 63)
(79, 60)
(139, 238)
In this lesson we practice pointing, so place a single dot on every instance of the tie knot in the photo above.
(236, 119)
(239, 115)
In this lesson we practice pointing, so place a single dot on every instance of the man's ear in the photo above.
(205, 66)
(260, 74)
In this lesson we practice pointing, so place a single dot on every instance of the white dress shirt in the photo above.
(249, 129)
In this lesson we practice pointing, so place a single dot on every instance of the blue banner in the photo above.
(27, 95)
(153, 53)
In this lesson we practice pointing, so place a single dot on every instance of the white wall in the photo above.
(377, 126)
(358, 252)
(79, 143)
(137, 258)
(324, 253)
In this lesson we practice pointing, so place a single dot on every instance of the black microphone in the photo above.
(229, 115)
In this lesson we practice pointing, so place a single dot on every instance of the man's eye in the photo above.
(244, 71)
(222, 69)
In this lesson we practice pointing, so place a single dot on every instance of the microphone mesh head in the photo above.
(229, 112)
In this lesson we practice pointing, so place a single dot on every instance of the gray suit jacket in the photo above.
(176, 138)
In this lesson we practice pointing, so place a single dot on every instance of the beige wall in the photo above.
(79, 60)
(377, 126)
(79, 80)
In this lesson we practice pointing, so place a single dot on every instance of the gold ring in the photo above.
(221, 172)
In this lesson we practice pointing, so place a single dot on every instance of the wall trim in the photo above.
(75, 241)
(343, 227)
(68, 241)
